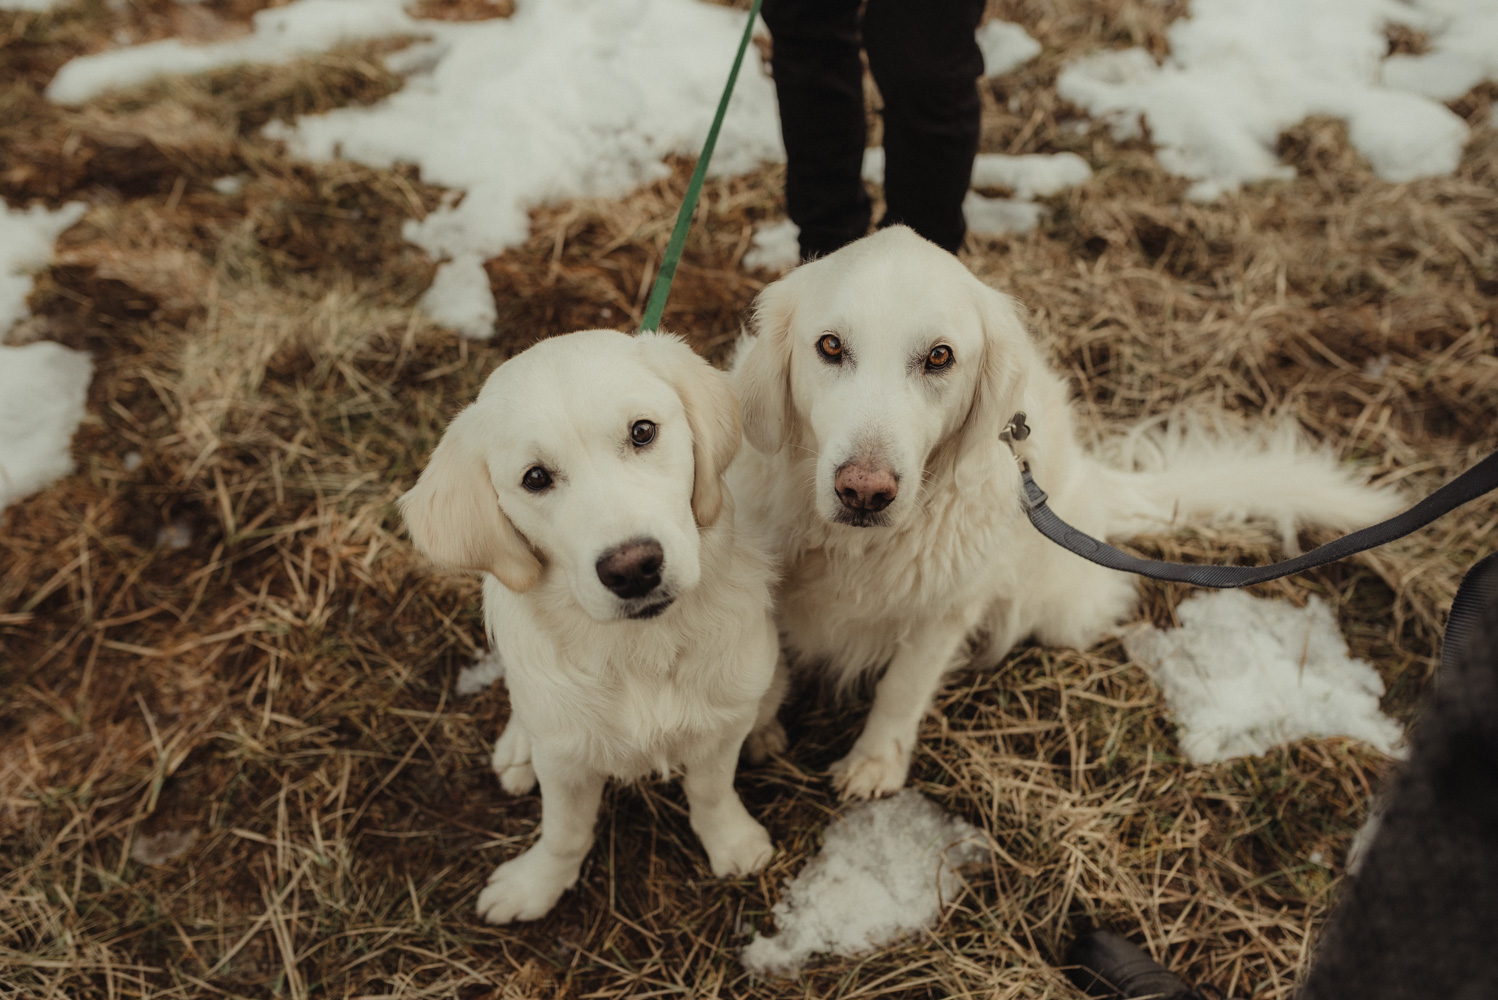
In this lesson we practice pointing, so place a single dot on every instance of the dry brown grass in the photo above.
(281, 686)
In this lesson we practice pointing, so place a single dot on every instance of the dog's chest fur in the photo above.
(628, 698)
(849, 596)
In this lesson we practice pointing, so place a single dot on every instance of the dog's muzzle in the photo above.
(650, 609)
(633, 569)
(864, 489)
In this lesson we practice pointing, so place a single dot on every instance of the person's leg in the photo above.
(819, 84)
(926, 61)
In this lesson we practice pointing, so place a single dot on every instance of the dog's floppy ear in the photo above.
(712, 412)
(454, 516)
(1007, 351)
(762, 374)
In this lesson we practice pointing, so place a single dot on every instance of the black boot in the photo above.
(1105, 966)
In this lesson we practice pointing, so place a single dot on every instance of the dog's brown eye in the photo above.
(642, 433)
(536, 479)
(940, 357)
(830, 348)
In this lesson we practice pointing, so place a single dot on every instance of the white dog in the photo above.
(875, 393)
(633, 620)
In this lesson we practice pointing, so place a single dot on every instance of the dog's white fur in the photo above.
(596, 690)
(953, 556)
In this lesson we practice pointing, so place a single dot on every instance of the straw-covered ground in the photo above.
(238, 767)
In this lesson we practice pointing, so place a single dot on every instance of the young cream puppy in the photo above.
(632, 617)
(876, 392)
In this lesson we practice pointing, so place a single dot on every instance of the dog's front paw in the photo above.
(512, 760)
(525, 888)
(871, 775)
(741, 848)
(764, 742)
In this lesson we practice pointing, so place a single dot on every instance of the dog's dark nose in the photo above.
(863, 486)
(632, 569)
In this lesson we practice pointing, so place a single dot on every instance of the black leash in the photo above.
(1477, 596)
(1481, 479)
(1478, 591)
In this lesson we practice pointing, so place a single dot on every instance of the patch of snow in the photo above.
(1031, 175)
(175, 536)
(280, 34)
(885, 871)
(1376, 367)
(26, 238)
(1240, 73)
(1005, 47)
(229, 185)
(1243, 674)
(417, 58)
(776, 247)
(43, 386)
(159, 848)
(565, 99)
(460, 297)
(479, 674)
(999, 216)
(491, 119)
(1463, 49)
(131, 461)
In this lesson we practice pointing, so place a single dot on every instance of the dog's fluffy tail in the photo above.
(1193, 469)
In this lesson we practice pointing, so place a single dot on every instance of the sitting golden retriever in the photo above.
(875, 390)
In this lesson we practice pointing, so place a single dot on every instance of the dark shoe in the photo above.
(1106, 966)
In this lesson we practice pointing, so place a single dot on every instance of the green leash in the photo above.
(662, 287)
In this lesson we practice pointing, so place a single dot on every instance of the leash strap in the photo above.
(1482, 478)
(1477, 596)
(662, 286)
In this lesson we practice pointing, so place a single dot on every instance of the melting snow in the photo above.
(565, 99)
(1005, 47)
(1029, 176)
(885, 870)
(996, 216)
(42, 385)
(1240, 73)
(1243, 674)
(42, 391)
(26, 238)
(775, 246)
(159, 848)
(280, 35)
(460, 298)
(175, 536)
(1462, 52)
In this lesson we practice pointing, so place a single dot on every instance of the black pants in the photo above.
(926, 61)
